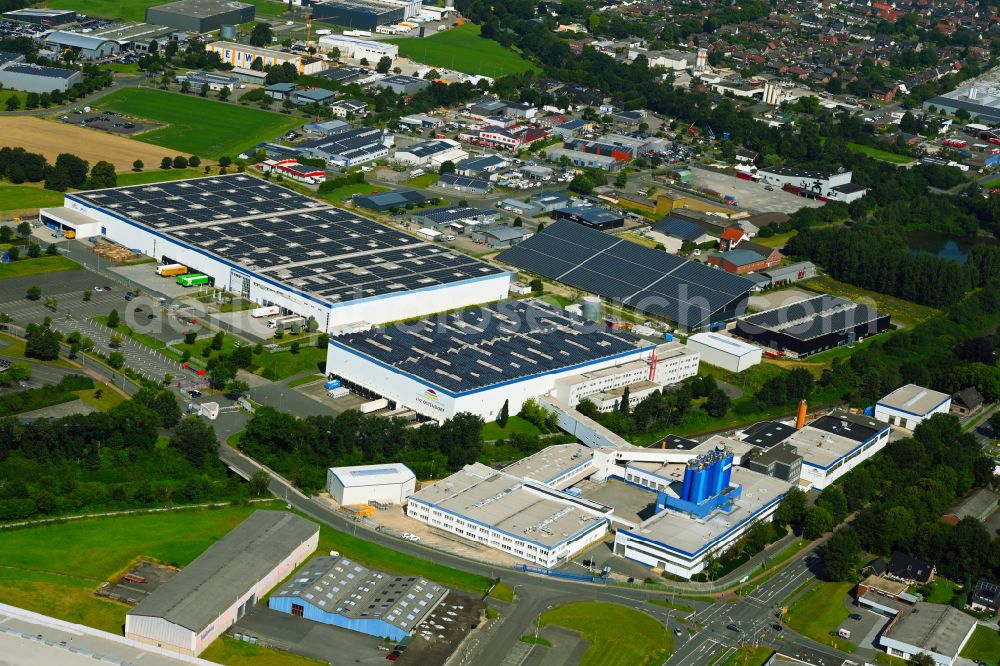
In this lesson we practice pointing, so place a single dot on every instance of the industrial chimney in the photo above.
(800, 419)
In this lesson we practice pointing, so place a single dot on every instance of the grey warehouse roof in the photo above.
(343, 587)
(481, 347)
(328, 253)
(649, 280)
(39, 70)
(201, 8)
(78, 40)
(202, 590)
(814, 317)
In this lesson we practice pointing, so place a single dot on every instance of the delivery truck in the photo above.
(193, 280)
(286, 322)
(170, 270)
(266, 311)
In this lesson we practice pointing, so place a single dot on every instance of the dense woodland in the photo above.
(111, 460)
(302, 449)
(901, 494)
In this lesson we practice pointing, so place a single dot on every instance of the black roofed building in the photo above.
(910, 569)
(687, 293)
(201, 15)
(595, 217)
(966, 402)
(985, 597)
(208, 596)
(386, 201)
(350, 148)
(813, 325)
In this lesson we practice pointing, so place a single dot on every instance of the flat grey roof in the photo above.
(932, 627)
(201, 8)
(552, 461)
(914, 399)
(202, 590)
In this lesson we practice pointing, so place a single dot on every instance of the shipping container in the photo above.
(192, 280)
(170, 270)
(266, 311)
(373, 406)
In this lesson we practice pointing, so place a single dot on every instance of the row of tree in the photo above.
(68, 171)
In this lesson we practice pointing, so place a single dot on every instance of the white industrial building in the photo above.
(244, 55)
(910, 405)
(937, 630)
(817, 184)
(724, 351)
(208, 596)
(276, 247)
(356, 49)
(476, 360)
(434, 152)
(361, 484)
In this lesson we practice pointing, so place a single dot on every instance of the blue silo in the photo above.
(688, 476)
(699, 483)
(726, 465)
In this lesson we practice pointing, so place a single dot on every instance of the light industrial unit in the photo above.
(208, 596)
(813, 325)
(201, 15)
(650, 281)
(337, 591)
(276, 247)
(724, 351)
(910, 405)
(361, 484)
(478, 359)
(17, 74)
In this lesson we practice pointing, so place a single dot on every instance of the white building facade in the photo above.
(724, 351)
(910, 405)
(361, 484)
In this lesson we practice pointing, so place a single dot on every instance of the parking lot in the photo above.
(749, 195)
(143, 579)
(108, 121)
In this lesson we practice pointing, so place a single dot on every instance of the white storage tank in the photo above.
(591, 308)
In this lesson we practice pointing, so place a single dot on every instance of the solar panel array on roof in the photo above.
(651, 281)
(306, 244)
(814, 317)
(466, 182)
(472, 349)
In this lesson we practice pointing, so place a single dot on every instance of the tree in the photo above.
(922, 658)
(623, 406)
(13, 103)
(204, 90)
(87, 294)
(180, 162)
(116, 360)
(792, 510)
(294, 347)
(257, 65)
(818, 522)
(224, 93)
(840, 554)
(185, 87)
(33, 293)
(137, 165)
(621, 180)
(225, 161)
(24, 229)
(194, 439)
(237, 388)
(166, 163)
(194, 161)
(217, 340)
(223, 372)
(384, 64)
(259, 483)
(114, 319)
(717, 404)
(261, 35)
(103, 175)
(115, 341)
(504, 414)
(447, 167)
(34, 251)
(42, 343)
(190, 337)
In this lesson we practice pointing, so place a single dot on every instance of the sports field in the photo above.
(27, 197)
(463, 50)
(135, 10)
(617, 634)
(51, 138)
(197, 125)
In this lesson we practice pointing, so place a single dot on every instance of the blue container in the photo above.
(333, 384)
(669, 337)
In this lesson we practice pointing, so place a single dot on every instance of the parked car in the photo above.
(733, 627)
(410, 536)
(855, 616)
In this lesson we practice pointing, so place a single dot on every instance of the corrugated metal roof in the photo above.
(78, 40)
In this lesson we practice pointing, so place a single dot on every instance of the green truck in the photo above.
(192, 280)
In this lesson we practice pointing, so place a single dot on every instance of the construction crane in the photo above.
(710, 133)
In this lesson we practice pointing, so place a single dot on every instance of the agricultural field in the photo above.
(906, 313)
(27, 197)
(879, 154)
(463, 50)
(197, 125)
(647, 641)
(135, 10)
(51, 138)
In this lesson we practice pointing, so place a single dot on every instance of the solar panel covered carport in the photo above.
(651, 281)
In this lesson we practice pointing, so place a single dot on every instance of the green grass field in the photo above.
(135, 10)
(426, 180)
(907, 313)
(337, 195)
(27, 197)
(879, 154)
(819, 612)
(617, 635)
(43, 264)
(492, 429)
(463, 50)
(749, 656)
(231, 652)
(104, 401)
(983, 646)
(146, 177)
(285, 364)
(302, 381)
(198, 125)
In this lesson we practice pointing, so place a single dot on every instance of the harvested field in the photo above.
(51, 138)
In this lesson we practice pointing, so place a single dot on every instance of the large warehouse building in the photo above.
(725, 352)
(201, 15)
(910, 405)
(685, 292)
(208, 596)
(244, 55)
(17, 74)
(334, 590)
(477, 360)
(360, 484)
(816, 184)
(813, 325)
(275, 247)
(361, 14)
